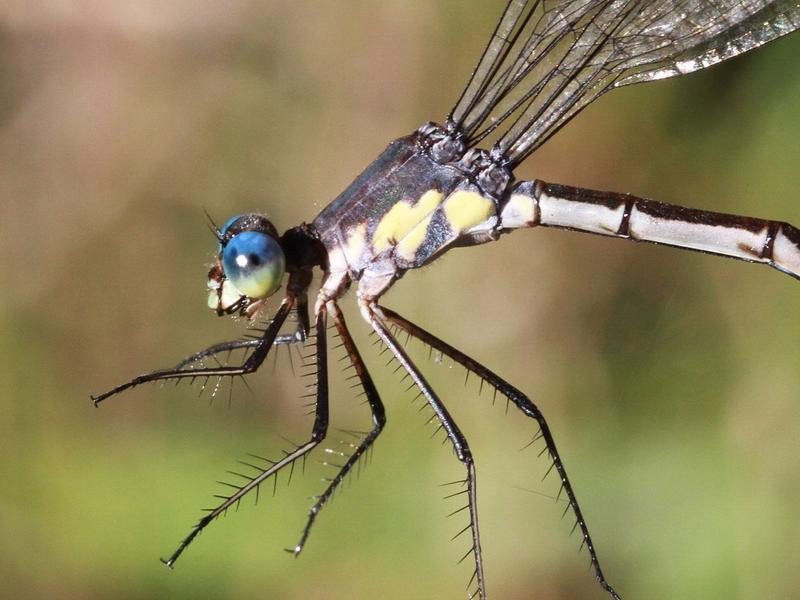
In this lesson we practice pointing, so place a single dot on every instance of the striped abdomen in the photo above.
(532, 203)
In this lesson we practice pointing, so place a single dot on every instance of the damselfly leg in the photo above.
(251, 364)
(298, 336)
(372, 312)
(318, 433)
(378, 422)
(528, 408)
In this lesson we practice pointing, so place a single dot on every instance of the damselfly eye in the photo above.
(254, 263)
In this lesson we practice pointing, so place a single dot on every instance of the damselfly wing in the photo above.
(453, 184)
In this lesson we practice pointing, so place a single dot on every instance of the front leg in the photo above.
(318, 433)
(298, 336)
(252, 363)
(378, 422)
(222, 348)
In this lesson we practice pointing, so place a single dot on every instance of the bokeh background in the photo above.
(670, 379)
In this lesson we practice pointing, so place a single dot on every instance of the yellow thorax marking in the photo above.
(466, 208)
(408, 246)
(402, 218)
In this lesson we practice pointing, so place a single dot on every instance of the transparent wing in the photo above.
(548, 59)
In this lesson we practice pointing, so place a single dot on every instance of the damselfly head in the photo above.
(249, 268)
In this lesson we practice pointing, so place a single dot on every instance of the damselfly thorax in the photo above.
(426, 194)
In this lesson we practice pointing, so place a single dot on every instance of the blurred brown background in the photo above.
(670, 379)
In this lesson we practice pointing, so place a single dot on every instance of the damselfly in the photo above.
(436, 189)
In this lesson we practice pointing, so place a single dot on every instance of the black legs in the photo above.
(378, 421)
(526, 406)
(261, 346)
(374, 315)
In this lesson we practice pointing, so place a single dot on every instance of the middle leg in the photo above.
(318, 434)
(378, 422)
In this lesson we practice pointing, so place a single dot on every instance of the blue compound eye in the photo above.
(254, 263)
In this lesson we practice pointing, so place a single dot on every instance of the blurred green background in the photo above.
(670, 379)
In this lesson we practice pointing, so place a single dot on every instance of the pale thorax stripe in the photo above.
(466, 209)
(403, 218)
